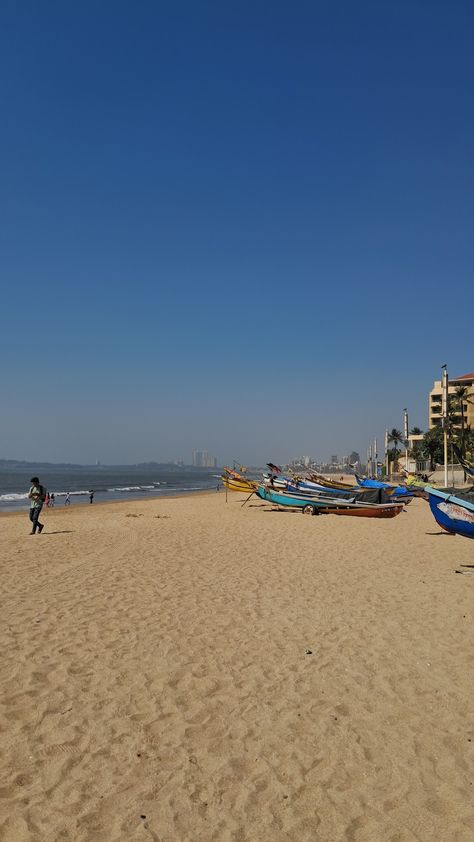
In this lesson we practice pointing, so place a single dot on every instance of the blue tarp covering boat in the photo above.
(399, 490)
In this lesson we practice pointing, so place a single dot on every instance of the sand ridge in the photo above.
(192, 670)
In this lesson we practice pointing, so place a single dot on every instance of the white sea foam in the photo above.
(72, 493)
(19, 500)
(128, 488)
(13, 498)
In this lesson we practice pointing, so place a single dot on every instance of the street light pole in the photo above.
(386, 453)
(444, 407)
(405, 430)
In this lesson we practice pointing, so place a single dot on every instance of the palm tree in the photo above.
(433, 445)
(395, 437)
(416, 451)
(462, 395)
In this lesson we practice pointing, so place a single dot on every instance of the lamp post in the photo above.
(375, 458)
(386, 453)
(405, 432)
(444, 409)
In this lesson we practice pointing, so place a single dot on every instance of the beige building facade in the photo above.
(436, 401)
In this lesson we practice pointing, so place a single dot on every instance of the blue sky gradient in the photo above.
(240, 227)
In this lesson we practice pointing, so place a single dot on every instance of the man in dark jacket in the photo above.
(37, 495)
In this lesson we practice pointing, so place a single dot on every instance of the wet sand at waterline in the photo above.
(186, 670)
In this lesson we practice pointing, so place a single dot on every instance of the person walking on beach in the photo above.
(52, 499)
(46, 499)
(37, 495)
(67, 501)
(91, 496)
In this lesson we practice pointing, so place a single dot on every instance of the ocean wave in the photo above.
(12, 497)
(71, 493)
(128, 488)
(162, 488)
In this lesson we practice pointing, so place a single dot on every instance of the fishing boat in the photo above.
(397, 494)
(234, 481)
(359, 495)
(328, 504)
(330, 483)
(245, 487)
(453, 512)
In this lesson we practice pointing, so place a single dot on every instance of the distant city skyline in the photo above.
(203, 459)
(242, 230)
(252, 456)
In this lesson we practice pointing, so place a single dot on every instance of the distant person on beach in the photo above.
(51, 499)
(91, 496)
(67, 501)
(37, 495)
(46, 499)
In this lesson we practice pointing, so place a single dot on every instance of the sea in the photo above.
(108, 483)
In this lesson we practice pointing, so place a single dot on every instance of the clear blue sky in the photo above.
(244, 227)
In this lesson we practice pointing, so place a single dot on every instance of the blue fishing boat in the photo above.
(357, 494)
(327, 503)
(453, 513)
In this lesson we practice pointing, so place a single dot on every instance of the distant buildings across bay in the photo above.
(336, 464)
(203, 459)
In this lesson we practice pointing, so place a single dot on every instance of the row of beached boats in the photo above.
(314, 495)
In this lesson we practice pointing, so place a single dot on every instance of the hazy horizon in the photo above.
(248, 233)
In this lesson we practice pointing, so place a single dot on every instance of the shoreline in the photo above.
(119, 502)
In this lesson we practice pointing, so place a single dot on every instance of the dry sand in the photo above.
(187, 671)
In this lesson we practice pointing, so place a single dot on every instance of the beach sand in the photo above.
(187, 670)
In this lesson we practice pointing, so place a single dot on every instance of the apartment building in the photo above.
(436, 400)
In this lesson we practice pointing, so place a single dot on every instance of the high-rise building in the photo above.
(334, 460)
(354, 457)
(203, 459)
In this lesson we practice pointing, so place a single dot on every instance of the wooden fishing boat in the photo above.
(234, 481)
(330, 483)
(384, 510)
(397, 493)
(455, 514)
(244, 486)
(328, 504)
(357, 494)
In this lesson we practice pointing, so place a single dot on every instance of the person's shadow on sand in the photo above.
(60, 532)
